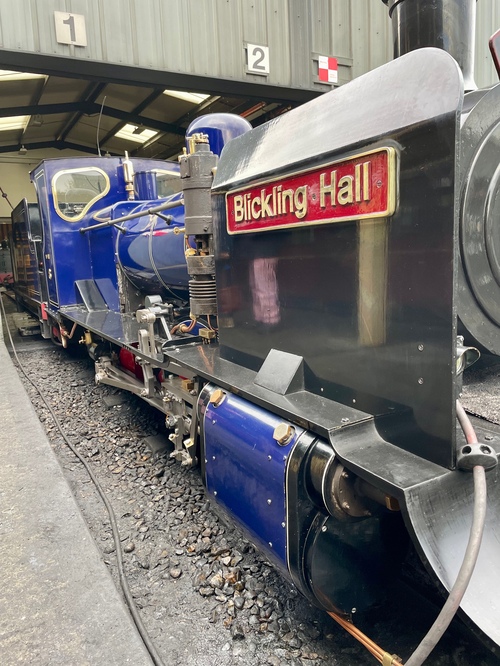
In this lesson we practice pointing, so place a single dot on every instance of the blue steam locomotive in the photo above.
(295, 307)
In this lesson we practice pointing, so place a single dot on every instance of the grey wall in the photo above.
(189, 41)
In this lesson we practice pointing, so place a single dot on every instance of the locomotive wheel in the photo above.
(478, 302)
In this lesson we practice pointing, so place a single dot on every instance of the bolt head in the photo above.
(217, 397)
(283, 433)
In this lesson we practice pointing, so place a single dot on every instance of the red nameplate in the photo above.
(363, 186)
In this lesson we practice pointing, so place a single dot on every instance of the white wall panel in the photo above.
(488, 22)
(206, 33)
(231, 55)
(116, 31)
(147, 52)
(278, 20)
(173, 19)
(16, 25)
(255, 21)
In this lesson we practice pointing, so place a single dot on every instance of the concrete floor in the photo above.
(58, 603)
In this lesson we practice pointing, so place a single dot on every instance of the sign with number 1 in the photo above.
(70, 29)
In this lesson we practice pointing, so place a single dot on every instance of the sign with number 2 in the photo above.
(257, 59)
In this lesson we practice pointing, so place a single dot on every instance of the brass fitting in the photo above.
(217, 397)
(283, 433)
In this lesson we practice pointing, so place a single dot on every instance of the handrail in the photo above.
(133, 216)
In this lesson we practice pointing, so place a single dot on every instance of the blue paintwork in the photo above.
(246, 468)
(145, 185)
(220, 128)
(150, 243)
(151, 255)
(69, 255)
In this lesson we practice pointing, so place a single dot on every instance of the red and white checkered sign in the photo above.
(328, 69)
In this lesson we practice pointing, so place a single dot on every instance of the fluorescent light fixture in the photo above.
(194, 98)
(8, 75)
(136, 133)
(13, 123)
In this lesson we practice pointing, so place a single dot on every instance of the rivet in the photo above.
(345, 505)
(213, 457)
(344, 420)
(215, 493)
(420, 347)
(270, 544)
(269, 457)
(206, 461)
(488, 438)
(283, 524)
(420, 380)
(269, 501)
(324, 528)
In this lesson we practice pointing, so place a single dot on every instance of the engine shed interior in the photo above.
(298, 290)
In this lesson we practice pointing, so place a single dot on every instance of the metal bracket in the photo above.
(471, 455)
(155, 311)
(185, 428)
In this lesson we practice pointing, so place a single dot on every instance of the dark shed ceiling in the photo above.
(80, 114)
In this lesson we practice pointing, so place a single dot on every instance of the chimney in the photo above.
(446, 24)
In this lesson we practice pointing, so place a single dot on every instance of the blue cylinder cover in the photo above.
(245, 471)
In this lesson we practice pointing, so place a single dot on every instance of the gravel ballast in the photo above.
(205, 595)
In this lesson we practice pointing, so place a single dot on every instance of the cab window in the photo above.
(75, 190)
(168, 183)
